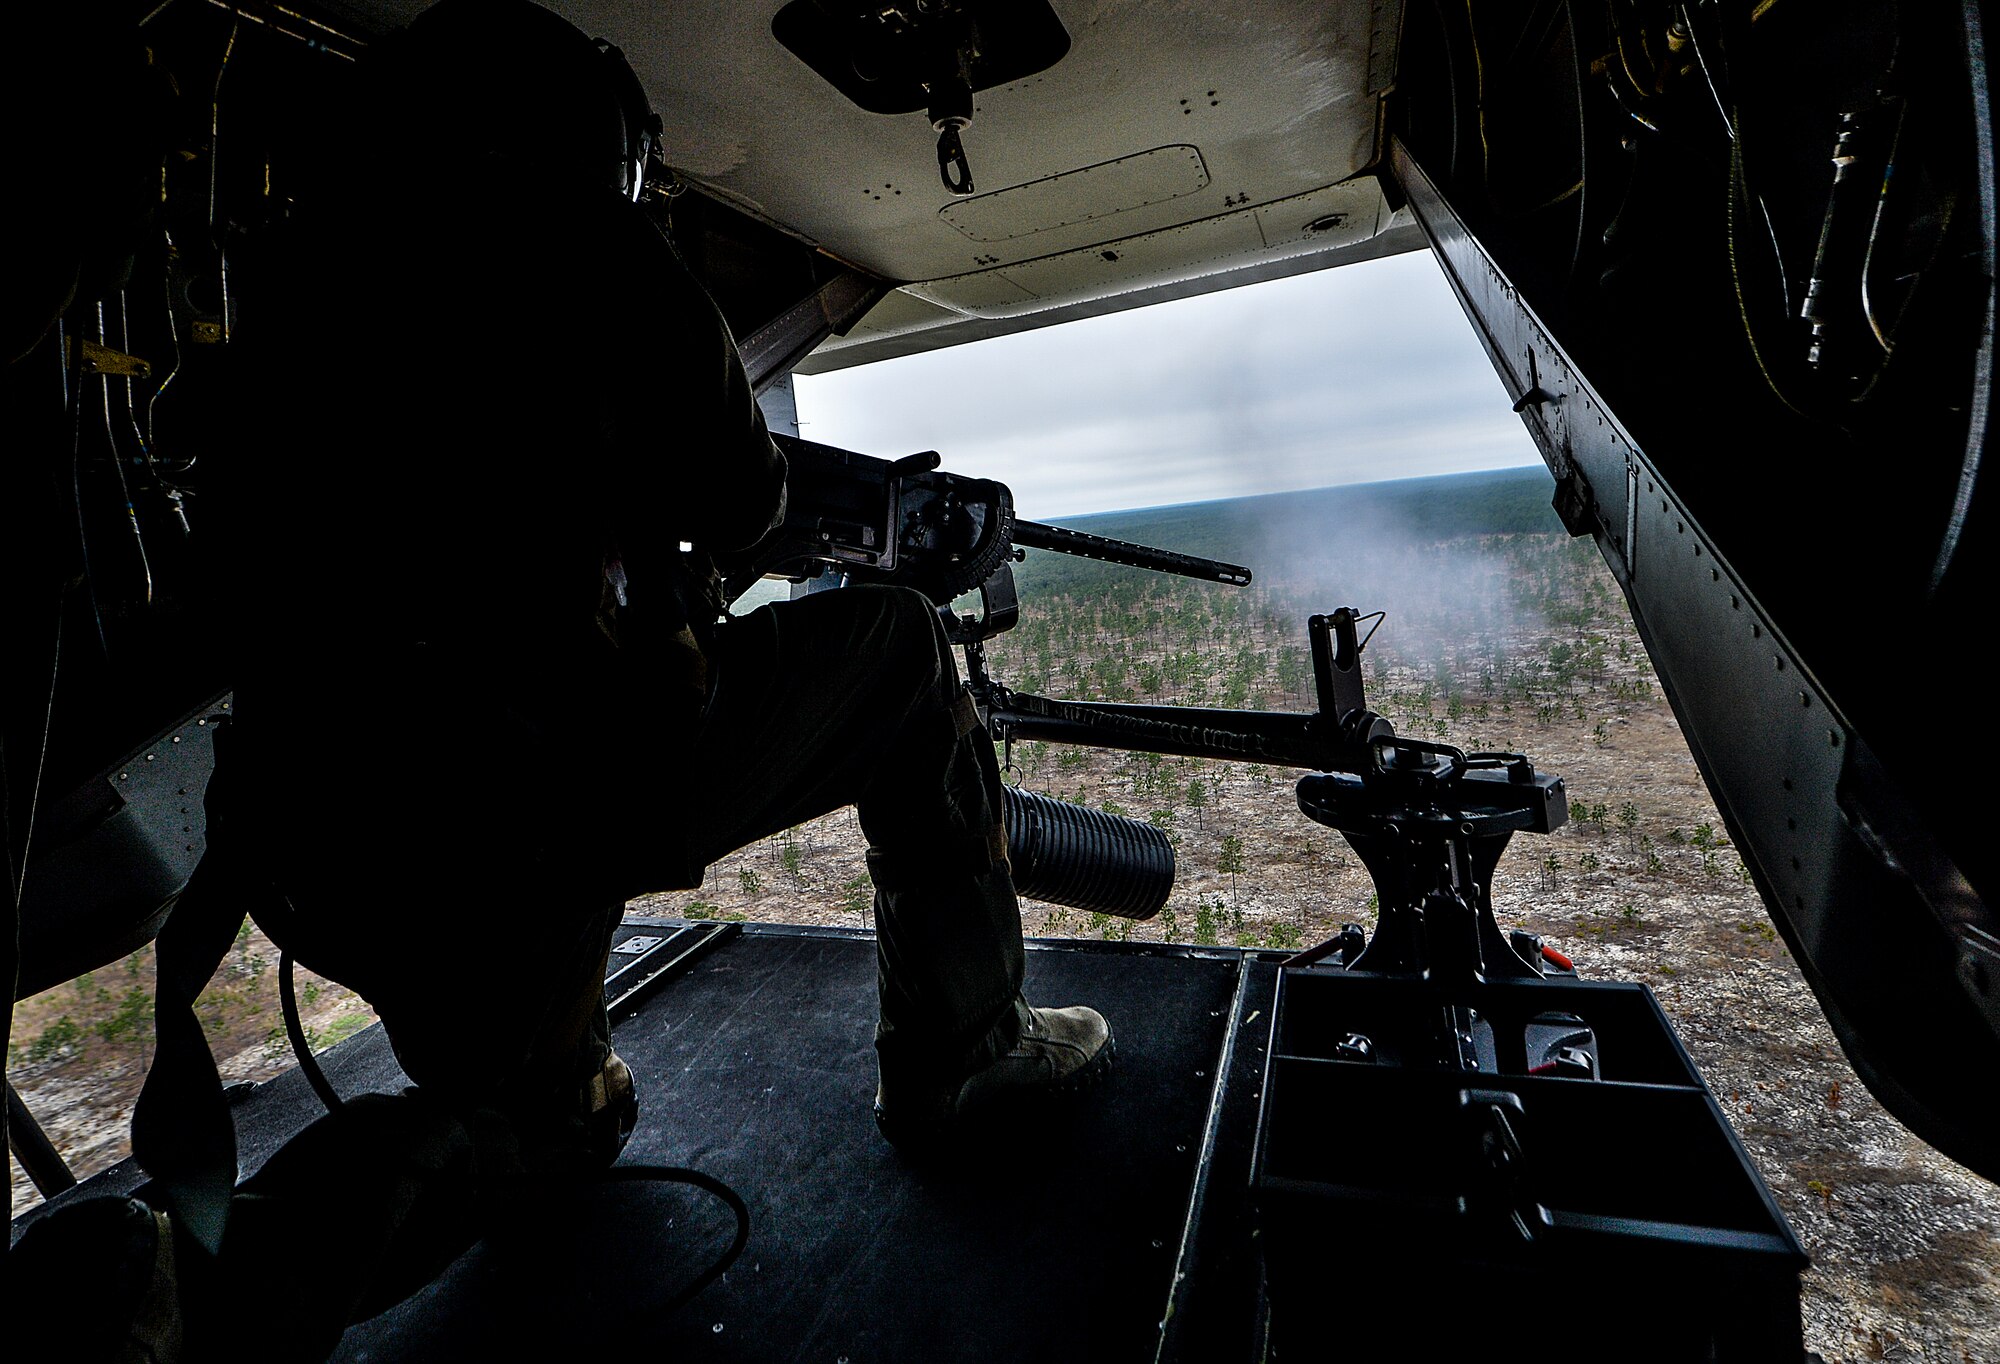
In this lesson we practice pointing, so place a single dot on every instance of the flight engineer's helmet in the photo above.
(506, 89)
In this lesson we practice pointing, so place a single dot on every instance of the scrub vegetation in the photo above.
(1501, 633)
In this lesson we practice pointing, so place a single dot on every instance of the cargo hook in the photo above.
(951, 107)
(952, 168)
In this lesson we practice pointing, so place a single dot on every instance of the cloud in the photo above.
(1351, 375)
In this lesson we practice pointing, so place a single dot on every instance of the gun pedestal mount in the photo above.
(1448, 1096)
(1430, 823)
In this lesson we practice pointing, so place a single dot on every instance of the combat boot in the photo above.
(1059, 1051)
(98, 1282)
(611, 1105)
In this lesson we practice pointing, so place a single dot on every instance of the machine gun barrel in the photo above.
(1035, 535)
(1279, 738)
(1339, 737)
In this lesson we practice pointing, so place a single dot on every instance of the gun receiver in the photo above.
(906, 521)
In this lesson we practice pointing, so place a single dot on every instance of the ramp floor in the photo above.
(1054, 1237)
(1057, 1235)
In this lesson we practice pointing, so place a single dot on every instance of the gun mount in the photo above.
(1441, 1089)
(1443, 1092)
(1428, 820)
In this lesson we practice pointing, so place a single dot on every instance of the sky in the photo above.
(1351, 375)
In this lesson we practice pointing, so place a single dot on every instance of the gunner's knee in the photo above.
(906, 638)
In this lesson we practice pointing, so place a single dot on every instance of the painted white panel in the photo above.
(1080, 198)
(1326, 219)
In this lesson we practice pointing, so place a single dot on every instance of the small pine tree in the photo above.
(1230, 862)
(855, 897)
(1628, 819)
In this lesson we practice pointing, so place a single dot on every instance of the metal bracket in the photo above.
(95, 358)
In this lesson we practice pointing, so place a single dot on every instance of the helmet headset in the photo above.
(639, 124)
(526, 93)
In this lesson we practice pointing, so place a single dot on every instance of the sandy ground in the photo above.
(1905, 1243)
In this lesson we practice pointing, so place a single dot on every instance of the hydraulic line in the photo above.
(1886, 335)
(174, 341)
(288, 1003)
(142, 438)
(1884, 339)
(118, 466)
(18, 872)
(681, 1174)
(73, 405)
(215, 174)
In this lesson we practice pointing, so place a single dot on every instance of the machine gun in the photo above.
(853, 517)
(1439, 1089)
(858, 518)
(1430, 821)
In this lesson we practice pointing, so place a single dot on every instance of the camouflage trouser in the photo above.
(485, 964)
(431, 887)
(852, 698)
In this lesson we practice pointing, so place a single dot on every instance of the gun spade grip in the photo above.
(1072, 855)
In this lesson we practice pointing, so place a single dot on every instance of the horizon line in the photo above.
(1294, 492)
